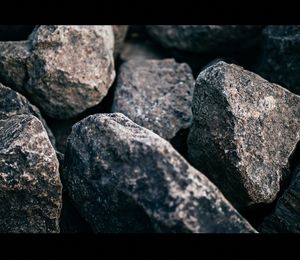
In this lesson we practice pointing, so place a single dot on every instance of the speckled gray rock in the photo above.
(205, 38)
(124, 178)
(244, 131)
(156, 94)
(13, 58)
(30, 187)
(70, 68)
(13, 103)
(120, 32)
(286, 216)
(280, 62)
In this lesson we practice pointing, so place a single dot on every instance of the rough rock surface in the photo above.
(30, 187)
(244, 131)
(13, 70)
(15, 32)
(70, 68)
(124, 178)
(120, 32)
(285, 218)
(156, 94)
(13, 103)
(280, 62)
(205, 38)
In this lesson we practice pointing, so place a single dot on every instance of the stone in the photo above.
(156, 94)
(243, 133)
(15, 32)
(13, 103)
(13, 69)
(280, 62)
(120, 32)
(221, 39)
(70, 68)
(285, 218)
(124, 178)
(30, 186)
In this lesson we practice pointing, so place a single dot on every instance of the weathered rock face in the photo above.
(205, 38)
(30, 187)
(13, 70)
(124, 178)
(15, 32)
(70, 68)
(280, 62)
(13, 103)
(156, 94)
(243, 133)
(120, 32)
(285, 218)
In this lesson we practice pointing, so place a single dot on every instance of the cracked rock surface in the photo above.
(30, 187)
(124, 178)
(244, 131)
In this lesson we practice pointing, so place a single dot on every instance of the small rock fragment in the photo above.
(124, 178)
(30, 187)
(244, 131)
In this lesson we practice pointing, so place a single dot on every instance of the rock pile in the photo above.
(167, 129)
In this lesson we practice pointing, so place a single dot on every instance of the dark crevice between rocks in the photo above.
(70, 219)
(256, 214)
(15, 32)
(247, 58)
(294, 159)
(179, 142)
